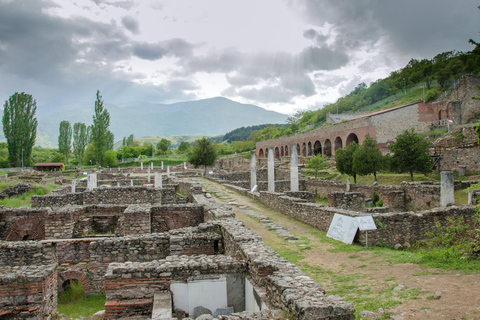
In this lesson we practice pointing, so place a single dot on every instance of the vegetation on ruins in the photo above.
(203, 153)
(368, 159)
(410, 153)
(316, 164)
(65, 138)
(25, 200)
(80, 140)
(20, 127)
(344, 160)
(102, 137)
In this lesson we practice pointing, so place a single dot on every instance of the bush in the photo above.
(432, 94)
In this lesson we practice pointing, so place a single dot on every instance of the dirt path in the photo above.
(370, 281)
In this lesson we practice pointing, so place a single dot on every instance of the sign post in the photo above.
(366, 223)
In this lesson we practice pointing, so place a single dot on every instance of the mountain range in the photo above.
(208, 117)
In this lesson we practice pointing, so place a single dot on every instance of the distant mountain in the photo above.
(207, 117)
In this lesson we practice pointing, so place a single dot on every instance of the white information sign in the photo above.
(366, 223)
(343, 228)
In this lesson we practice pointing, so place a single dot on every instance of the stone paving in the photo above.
(271, 225)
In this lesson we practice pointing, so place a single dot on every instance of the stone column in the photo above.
(89, 182)
(253, 169)
(185, 165)
(348, 185)
(95, 181)
(462, 170)
(446, 189)
(293, 168)
(141, 165)
(168, 171)
(131, 183)
(151, 165)
(271, 171)
(158, 180)
(162, 165)
(148, 171)
(74, 184)
(118, 184)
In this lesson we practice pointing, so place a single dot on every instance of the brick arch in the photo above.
(286, 150)
(338, 143)
(276, 153)
(327, 149)
(167, 223)
(309, 149)
(351, 138)
(261, 154)
(282, 152)
(317, 148)
(69, 275)
(304, 149)
(26, 229)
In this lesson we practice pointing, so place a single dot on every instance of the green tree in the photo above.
(477, 130)
(368, 158)
(410, 153)
(59, 157)
(316, 163)
(203, 153)
(101, 136)
(183, 147)
(109, 158)
(344, 160)
(89, 155)
(65, 138)
(20, 127)
(163, 145)
(80, 140)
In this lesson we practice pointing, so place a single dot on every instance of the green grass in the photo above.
(461, 197)
(321, 200)
(25, 200)
(389, 178)
(85, 307)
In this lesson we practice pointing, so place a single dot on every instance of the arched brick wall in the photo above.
(74, 275)
(26, 229)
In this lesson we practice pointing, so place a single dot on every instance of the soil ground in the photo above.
(369, 280)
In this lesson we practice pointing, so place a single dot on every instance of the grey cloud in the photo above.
(126, 4)
(174, 47)
(131, 24)
(412, 28)
(148, 51)
(268, 94)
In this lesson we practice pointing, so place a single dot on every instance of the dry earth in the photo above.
(407, 291)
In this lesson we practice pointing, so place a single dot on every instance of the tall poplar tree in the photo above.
(80, 140)
(65, 138)
(20, 127)
(100, 133)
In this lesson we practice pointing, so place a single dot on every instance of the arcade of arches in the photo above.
(310, 148)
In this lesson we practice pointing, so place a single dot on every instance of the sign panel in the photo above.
(343, 228)
(366, 223)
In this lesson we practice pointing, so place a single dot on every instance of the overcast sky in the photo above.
(283, 55)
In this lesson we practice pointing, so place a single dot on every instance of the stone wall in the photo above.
(347, 200)
(169, 217)
(57, 200)
(28, 292)
(393, 227)
(21, 253)
(123, 195)
(402, 227)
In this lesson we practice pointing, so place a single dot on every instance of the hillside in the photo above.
(207, 117)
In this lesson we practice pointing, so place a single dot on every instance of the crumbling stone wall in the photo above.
(57, 200)
(347, 200)
(22, 253)
(169, 217)
(28, 292)
(123, 195)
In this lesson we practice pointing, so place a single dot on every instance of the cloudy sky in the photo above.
(283, 55)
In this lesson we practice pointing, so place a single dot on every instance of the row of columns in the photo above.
(271, 169)
(447, 185)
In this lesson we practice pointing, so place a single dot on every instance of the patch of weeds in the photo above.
(362, 266)
(391, 279)
(409, 293)
(425, 308)
(289, 254)
(353, 256)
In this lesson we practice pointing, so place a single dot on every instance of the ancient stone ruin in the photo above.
(152, 252)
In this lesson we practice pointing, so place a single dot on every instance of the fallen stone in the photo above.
(223, 311)
(398, 246)
(198, 311)
(368, 314)
(399, 287)
(437, 295)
